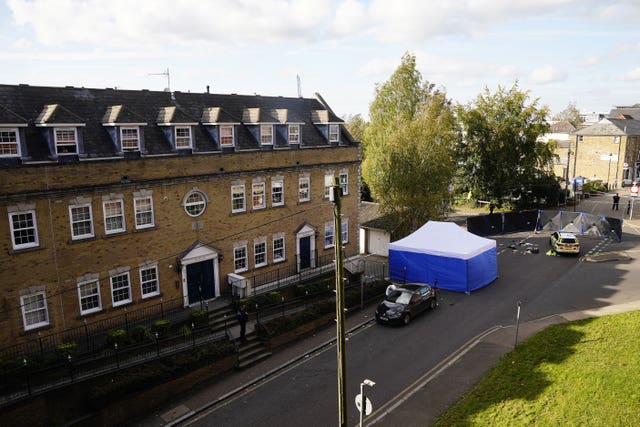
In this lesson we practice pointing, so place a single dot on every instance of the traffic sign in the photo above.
(634, 190)
(367, 408)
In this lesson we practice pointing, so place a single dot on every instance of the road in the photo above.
(394, 357)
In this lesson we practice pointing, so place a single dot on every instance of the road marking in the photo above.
(428, 376)
(224, 400)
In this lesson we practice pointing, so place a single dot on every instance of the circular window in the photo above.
(195, 203)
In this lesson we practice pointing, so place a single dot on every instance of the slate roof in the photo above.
(371, 218)
(633, 112)
(9, 117)
(612, 127)
(40, 106)
(120, 115)
(562, 126)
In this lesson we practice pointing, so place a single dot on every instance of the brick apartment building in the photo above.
(117, 199)
(608, 150)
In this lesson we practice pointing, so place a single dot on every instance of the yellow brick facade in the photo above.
(59, 263)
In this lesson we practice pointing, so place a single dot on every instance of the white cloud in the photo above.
(378, 67)
(350, 18)
(632, 74)
(118, 23)
(547, 74)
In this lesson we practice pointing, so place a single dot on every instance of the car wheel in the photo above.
(433, 303)
(406, 319)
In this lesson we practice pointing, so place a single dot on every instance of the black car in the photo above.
(406, 301)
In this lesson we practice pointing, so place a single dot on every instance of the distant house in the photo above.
(560, 132)
(608, 150)
(119, 201)
(376, 230)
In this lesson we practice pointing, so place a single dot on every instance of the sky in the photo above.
(585, 52)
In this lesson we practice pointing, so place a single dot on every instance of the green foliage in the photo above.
(356, 126)
(161, 327)
(118, 336)
(408, 146)
(67, 349)
(200, 318)
(282, 324)
(185, 330)
(141, 377)
(500, 156)
(570, 114)
(579, 373)
(140, 333)
(594, 186)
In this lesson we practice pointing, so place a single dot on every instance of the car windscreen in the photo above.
(568, 240)
(399, 297)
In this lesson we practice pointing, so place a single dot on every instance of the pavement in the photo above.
(430, 395)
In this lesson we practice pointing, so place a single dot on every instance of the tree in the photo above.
(408, 147)
(357, 126)
(570, 114)
(500, 156)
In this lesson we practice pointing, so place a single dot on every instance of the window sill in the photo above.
(149, 297)
(35, 330)
(115, 233)
(82, 240)
(120, 306)
(29, 249)
(88, 315)
(142, 230)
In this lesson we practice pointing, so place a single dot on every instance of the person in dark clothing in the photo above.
(628, 207)
(491, 208)
(242, 317)
(616, 202)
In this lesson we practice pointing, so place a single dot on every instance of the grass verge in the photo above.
(584, 373)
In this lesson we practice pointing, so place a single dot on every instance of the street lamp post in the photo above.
(609, 171)
(363, 401)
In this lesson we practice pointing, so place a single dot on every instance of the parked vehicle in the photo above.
(564, 243)
(405, 302)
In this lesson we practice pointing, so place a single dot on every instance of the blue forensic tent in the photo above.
(443, 251)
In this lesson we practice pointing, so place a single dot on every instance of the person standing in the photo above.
(616, 202)
(242, 317)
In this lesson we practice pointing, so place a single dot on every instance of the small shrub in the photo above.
(299, 290)
(117, 336)
(140, 333)
(161, 327)
(594, 186)
(200, 318)
(185, 330)
(113, 386)
(67, 349)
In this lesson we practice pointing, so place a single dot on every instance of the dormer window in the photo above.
(130, 138)
(66, 141)
(294, 134)
(266, 134)
(226, 136)
(183, 137)
(334, 133)
(9, 143)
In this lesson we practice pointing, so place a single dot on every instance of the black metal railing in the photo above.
(90, 336)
